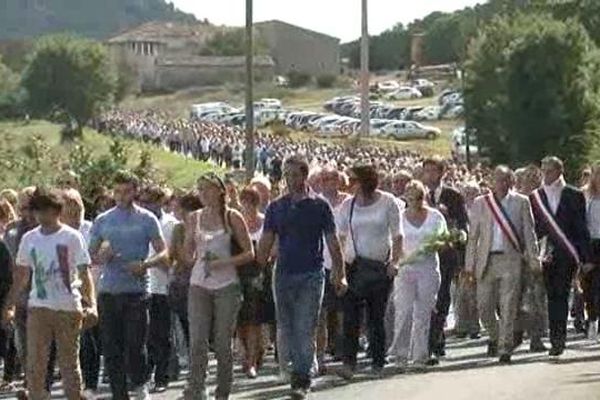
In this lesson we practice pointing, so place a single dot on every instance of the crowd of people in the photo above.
(333, 259)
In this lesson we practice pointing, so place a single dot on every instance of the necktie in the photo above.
(432, 198)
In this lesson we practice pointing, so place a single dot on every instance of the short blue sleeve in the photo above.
(96, 234)
(270, 223)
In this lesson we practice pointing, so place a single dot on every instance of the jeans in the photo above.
(212, 311)
(558, 277)
(298, 299)
(124, 325)
(159, 340)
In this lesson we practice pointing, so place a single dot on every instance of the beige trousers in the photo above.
(500, 289)
(44, 325)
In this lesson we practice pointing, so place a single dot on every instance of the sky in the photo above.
(339, 18)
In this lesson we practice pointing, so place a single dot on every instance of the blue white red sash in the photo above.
(502, 219)
(553, 226)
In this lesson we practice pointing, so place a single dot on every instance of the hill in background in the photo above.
(91, 18)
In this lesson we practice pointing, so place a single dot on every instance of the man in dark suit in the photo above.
(452, 205)
(560, 216)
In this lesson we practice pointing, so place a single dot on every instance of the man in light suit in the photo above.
(501, 243)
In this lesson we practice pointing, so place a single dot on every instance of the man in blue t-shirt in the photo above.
(299, 222)
(119, 242)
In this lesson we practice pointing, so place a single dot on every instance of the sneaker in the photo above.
(592, 333)
(142, 393)
(251, 373)
(159, 388)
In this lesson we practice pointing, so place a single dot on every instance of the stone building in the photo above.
(297, 49)
(167, 56)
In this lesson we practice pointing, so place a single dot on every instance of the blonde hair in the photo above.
(417, 186)
(11, 196)
(7, 212)
(73, 201)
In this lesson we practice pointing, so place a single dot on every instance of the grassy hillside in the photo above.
(16, 145)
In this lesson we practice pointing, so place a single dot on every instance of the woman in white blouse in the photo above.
(418, 281)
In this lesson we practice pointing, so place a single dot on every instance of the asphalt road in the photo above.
(465, 374)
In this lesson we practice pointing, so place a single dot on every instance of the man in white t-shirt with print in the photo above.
(56, 259)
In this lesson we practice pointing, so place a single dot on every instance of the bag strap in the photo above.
(352, 204)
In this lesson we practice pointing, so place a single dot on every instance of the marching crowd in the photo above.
(342, 251)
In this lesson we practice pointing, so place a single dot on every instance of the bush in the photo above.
(326, 81)
(13, 104)
(298, 79)
(279, 129)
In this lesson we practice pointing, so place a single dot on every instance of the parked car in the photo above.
(405, 93)
(281, 81)
(377, 127)
(272, 103)
(400, 130)
(430, 113)
(388, 86)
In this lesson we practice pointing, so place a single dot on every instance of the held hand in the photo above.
(469, 277)
(8, 315)
(137, 268)
(106, 254)
(89, 317)
(341, 286)
(587, 267)
(392, 271)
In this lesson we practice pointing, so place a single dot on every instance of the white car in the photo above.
(400, 130)
(388, 86)
(201, 110)
(405, 93)
(319, 124)
(271, 103)
(267, 116)
(431, 113)
(377, 127)
(423, 83)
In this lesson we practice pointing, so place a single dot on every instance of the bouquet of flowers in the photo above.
(438, 241)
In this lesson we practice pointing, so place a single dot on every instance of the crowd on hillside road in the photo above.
(329, 255)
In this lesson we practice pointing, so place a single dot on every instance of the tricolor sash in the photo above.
(502, 219)
(554, 228)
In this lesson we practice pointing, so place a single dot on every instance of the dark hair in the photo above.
(251, 195)
(123, 177)
(437, 162)
(44, 199)
(367, 178)
(153, 193)
(190, 202)
(299, 161)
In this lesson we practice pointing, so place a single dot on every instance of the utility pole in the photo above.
(364, 74)
(250, 161)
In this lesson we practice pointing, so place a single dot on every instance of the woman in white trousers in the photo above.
(418, 281)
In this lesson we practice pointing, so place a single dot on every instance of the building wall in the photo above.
(296, 49)
(175, 77)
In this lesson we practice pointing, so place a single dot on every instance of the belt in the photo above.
(496, 253)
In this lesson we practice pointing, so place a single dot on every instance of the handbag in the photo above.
(365, 274)
(246, 271)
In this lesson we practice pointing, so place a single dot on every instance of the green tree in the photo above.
(70, 76)
(532, 89)
(9, 81)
